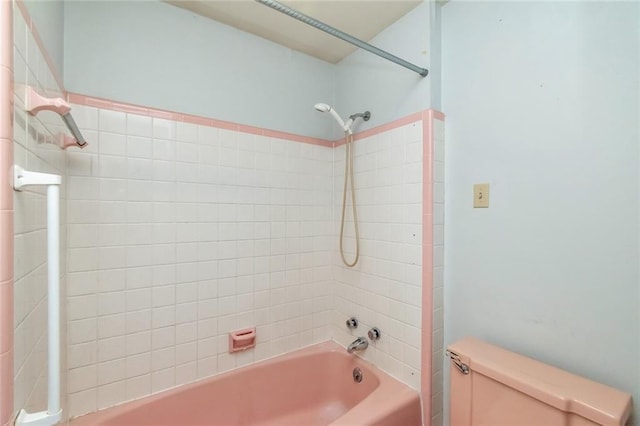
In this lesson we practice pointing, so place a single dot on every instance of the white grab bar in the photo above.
(21, 179)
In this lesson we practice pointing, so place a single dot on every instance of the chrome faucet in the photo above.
(360, 344)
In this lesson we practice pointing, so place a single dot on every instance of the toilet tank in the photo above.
(492, 386)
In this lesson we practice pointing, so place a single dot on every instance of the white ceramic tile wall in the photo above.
(437, 340)
(180, 233)
(33, 150)
(384, 289)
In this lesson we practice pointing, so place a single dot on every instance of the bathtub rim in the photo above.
(374, 407)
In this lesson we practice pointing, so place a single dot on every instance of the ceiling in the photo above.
(362, 19)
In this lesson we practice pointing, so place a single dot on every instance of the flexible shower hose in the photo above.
(348, 175)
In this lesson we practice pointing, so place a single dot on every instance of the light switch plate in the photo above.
(481, 195)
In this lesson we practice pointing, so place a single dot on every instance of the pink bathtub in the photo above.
(312, 386)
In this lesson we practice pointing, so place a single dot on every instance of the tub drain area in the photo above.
(357, 375)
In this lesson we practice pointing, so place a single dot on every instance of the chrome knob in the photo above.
(352, 322)
(374, 334)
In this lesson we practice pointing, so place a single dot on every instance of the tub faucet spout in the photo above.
(359, 344)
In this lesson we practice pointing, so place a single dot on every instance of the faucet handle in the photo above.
(374, 334)
(352, 322)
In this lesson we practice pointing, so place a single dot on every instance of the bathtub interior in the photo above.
(316, 388)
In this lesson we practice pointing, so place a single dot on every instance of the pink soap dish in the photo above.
(240, 340)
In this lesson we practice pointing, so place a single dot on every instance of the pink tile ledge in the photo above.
(193, 119)
(424, 116)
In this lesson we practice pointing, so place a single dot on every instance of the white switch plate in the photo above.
(481, 195)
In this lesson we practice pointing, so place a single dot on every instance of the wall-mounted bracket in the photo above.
(41, 418)
(36, 103)
(22, 178)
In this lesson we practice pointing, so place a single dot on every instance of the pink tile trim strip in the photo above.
(6, 390)
(383, 128)
(6, 208)
(6, 249)
(36, 36)
(193, 119)
(6, 315)
(428, 118)
(437, 115)
(6, 142)
(95, 102)
(6, 107)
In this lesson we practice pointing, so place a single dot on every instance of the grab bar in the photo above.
(21, 179)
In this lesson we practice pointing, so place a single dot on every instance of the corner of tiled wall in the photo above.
(35, 148)
(384, 289)
(7, 346)
(437, 339)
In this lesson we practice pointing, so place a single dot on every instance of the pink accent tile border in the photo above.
(193, 119)
(6, 247)
(6, 389)
(6, 148)
(437, 115)
(102, 103)
(6, 107)
(428, 141)
(6, 315)
(6, 36)
(6, 210)
(36, 36)
(383, 127)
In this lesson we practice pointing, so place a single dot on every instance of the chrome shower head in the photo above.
(345, 126)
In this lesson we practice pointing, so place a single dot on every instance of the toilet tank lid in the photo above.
(565, 391)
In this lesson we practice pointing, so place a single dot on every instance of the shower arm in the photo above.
(342, 35)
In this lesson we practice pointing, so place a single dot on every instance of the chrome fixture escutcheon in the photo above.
(374, 334)
(352, 322)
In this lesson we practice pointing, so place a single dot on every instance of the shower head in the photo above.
(322, 107)
(326, 108)
(345, 126)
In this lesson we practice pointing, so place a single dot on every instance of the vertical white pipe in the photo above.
(53, 272)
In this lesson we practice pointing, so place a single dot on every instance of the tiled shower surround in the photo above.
(179, 233)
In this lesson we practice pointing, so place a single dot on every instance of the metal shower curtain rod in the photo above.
(342, 35)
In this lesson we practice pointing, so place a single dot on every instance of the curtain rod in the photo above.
(342, 35)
